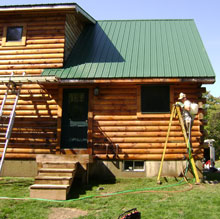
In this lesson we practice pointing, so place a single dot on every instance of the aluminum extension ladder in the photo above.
(177, 112)
(12, 89)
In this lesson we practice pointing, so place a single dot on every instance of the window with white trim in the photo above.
(131, 165)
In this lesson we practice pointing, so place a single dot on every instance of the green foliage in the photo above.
(213, 118)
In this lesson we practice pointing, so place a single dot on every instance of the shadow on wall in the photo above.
(93, 46)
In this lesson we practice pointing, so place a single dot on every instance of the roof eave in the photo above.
(47, 7)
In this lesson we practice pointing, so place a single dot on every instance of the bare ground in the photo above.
(66, 213)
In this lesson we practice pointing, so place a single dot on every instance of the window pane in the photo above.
(155, 99)
(14, 34)
(128, 165)
(139, 165)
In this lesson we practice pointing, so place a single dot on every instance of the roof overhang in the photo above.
(47, 7)
(28, 79)
(54, 79)
(138, 80)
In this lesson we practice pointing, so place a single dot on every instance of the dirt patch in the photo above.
(66, 213)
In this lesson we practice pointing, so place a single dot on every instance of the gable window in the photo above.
(14, 35)
(155, 99)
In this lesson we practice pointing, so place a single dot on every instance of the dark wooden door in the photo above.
(74, 118)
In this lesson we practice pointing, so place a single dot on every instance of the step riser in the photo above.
(59, 166)
(53, 194)
(53, 182)
(55, 174)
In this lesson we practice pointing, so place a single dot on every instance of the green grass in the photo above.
(201, 202)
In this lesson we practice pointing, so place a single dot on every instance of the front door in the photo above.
(74, 118)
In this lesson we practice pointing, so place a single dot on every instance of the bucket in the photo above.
(194, 108)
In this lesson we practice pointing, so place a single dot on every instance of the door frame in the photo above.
(90, 121)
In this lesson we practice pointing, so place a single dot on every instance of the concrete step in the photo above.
(53, 192)
(59, 164)
(56, 172)
(54, 180)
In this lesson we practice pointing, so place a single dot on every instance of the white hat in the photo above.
(181, 96)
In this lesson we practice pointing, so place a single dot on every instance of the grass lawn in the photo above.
(202, 201)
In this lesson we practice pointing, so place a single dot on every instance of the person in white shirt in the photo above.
(186, 108)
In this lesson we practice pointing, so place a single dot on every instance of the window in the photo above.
(130, 165)
(155, 99)
(14, 35)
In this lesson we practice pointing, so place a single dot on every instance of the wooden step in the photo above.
(53, 192)
(59, 164)
(56, 172)
(54, 180)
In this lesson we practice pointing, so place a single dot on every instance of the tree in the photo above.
(213, 120)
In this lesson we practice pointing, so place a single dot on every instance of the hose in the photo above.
(141, 190)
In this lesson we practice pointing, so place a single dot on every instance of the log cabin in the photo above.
(98, 93)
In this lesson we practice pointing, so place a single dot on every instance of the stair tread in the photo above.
(59, 162)
(57, 169)
(49, 186)
(53, 177)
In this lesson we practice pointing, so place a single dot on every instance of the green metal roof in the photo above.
(137, 49)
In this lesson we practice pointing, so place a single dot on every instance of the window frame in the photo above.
(133, 166)
(22, 42)
(141, 114)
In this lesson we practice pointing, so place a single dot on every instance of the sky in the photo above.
(206, 14)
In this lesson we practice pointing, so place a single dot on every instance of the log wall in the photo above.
(48, 34)
(73, 28)
(44, 45)
(35, 127)
(120, 133)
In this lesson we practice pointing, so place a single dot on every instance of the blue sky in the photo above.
(206, 14)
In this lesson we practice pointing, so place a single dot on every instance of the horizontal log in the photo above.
(28, 66)
(34, 102)
(31, 56)
(20, 156)
(31, 107)
(27, 150)
(139, 128)
(115, 112)
(21, 71)
(34, 145)
(118, 91)
(33, 97)
(139, 123)
(30, 61)
(32, 51)
(152, 157)
(45, 32)
(145, 145)
(115, 102)
(114, 107)
(141, 139)
(45, 27)
(112, 97)
(45, 41)
(39, 130)
(146, 151)
(30, 140)
(38, 46)
(143, 134)
(101, 117)
(32, 112)
(32, 20)
(34, 91)
(33, 135)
